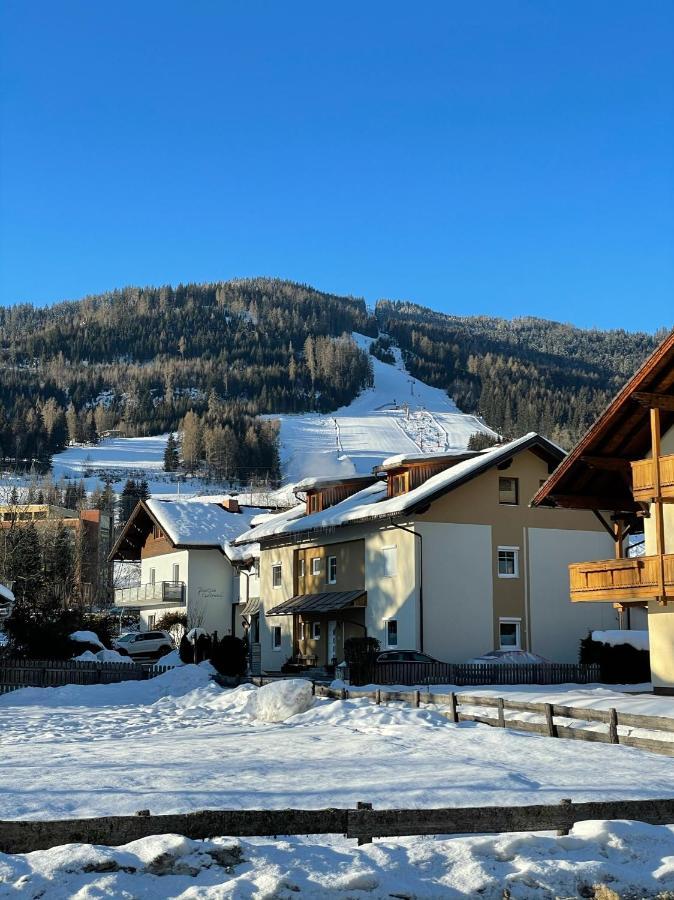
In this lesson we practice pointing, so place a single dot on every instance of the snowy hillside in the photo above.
(399, 414)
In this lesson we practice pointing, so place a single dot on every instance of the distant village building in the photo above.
(439, 553)
(91, 533)
(623, 471)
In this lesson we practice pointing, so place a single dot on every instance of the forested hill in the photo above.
(138, 359)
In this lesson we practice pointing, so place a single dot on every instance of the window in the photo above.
(176, 572)
(509, 634)
(508, 562)
(315, 631)
(301, 567)
(508, 491)
(300, 630)
(314, 503)
(399, 484)
(316, 565)
(392, 633)
(276, 576)
(256, 567)
(153, 576)
(151, 623)
(389, 561)
(157, 532)
(276, 637)
(332, 569)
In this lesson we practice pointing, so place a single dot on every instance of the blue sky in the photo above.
(508, 158)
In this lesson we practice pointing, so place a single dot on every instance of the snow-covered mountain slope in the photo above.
(399, 414)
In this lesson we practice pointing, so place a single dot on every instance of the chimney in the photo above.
(231, 504)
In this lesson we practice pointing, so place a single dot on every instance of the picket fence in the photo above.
(474, 673)
(21, 673)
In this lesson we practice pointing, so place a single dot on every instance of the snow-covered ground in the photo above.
(399, 414)
(180, 743)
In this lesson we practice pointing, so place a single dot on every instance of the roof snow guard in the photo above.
(329, 601)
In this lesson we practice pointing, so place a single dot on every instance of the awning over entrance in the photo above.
(329, 601)
(252, 607)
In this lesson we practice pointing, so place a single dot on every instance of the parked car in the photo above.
(144, 643)
(407, 667)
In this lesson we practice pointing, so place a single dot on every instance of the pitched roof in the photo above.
(324, 602)
(187, 524)
(372, 502)
(622, 432)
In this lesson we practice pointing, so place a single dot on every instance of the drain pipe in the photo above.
(421, 578)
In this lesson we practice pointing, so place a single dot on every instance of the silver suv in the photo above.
(144, 643)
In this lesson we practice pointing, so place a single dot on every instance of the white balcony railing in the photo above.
(157, 594)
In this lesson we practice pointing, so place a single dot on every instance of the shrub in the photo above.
(186, 650)
(229, 656)
(175, 623)
(622, 664)
(361, 650)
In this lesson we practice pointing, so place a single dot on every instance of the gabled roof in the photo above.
(372, 503)
(593, 475)
(187, 524)
(315, 484)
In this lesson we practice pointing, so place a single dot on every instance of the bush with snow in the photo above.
(279, 700)
(86, 637)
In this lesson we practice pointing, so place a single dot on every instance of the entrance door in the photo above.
(332, 641)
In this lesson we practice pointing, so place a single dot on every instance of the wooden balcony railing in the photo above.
(615, 580)
(643, 478)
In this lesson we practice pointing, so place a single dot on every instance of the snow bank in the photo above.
(280, 700)
(636, 639)
(170, 659)
(86, 637)
(103, 655)
(627, 859)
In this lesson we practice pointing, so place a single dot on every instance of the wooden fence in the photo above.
(474, 673)
(362, 824)
(20, 673)
(548, 712)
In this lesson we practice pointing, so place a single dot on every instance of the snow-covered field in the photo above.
(399, 414)
(180, 743)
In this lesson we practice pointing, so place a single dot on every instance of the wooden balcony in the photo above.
(643, 479)
(617, 580)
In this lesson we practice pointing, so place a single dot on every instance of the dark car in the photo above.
(408, 667)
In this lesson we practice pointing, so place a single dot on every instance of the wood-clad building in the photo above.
(623, 470)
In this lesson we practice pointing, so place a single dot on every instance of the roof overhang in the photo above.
(596, 474)
(328, 601)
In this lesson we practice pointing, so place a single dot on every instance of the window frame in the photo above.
(276, 566)
(516, 562)
(300, 567)
(276, 630)
(516, 501)
(175, 573)
(384, 550)
(517, 622)
(315, 631)
(389, 645)
(331, 578)
(315, 565)
(153, 576)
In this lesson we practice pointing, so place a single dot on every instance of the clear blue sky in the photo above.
(499, 157)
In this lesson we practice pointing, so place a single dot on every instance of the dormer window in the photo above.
(398, 484)
(313, 503)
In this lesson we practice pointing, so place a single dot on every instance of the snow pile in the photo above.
(86, 637)
(279, 700)
(597, 859)
(636, 639)
(170, 659)
(103, 655)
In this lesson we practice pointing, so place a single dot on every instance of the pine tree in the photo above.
(171, 457)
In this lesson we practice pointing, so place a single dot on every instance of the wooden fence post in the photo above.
(453, 714)
(550, 722)
(416, 699)
(566, 802)
(501, 712)
(365, 838)
(613, 726)
(377, 697)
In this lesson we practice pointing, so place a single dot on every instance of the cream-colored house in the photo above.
(188, 563)
(438, 553)
(623, 470)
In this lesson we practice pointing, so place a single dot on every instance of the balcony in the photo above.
(643, 479)
(619, 580)
(144, 596)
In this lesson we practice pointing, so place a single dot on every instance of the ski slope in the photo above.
(398, 414)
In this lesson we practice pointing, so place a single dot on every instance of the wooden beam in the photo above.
(654, 401)
(573, 501)
(610, 463)
(657, 503)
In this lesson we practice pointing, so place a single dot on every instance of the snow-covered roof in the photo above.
(373, 503)
(402, 458)
(197, 524)
(310, 484)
